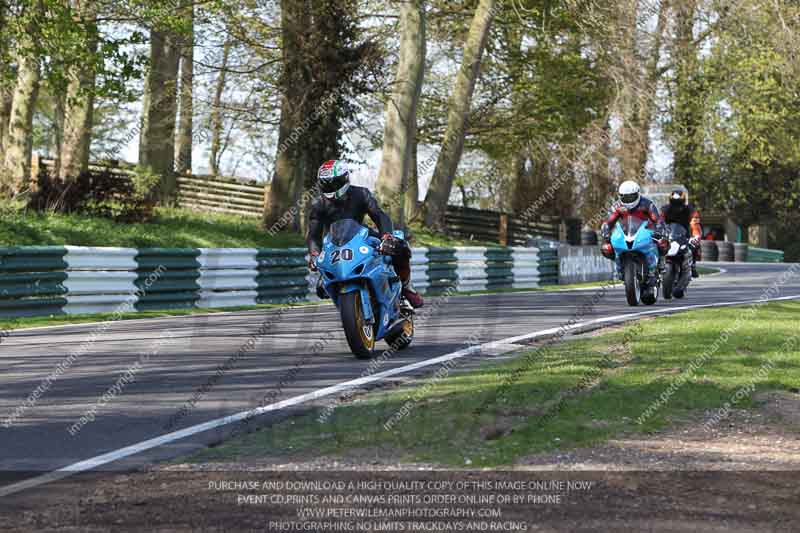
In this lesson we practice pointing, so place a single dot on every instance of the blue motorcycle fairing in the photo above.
(638, 239)
(355, 264)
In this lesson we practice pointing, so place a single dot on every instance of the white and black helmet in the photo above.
(630, 194)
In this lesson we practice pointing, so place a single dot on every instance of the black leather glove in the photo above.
(389, 244)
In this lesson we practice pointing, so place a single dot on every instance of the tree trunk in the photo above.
(159, 136)
(78, 109)
(143, 121)
(19, 142)
(648, 108)
(290, 160)
(59, 118)
(460, 103)
(631, 91)
(685, 119)
(413, 213)
(6, 92)
(401, 109)
(183, 141)
(6, 99)
(215, 121)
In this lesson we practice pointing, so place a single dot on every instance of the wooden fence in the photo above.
(493, 226)
(219, 195)
(208, 194)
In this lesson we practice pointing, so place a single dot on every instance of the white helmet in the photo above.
(629, 194)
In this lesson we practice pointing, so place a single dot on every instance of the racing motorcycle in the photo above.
(358, 276)
(679, 259)
(634, 248)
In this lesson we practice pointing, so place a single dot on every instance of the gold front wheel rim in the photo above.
(364, 330)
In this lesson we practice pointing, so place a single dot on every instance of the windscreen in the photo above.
(343, 231)
(631, 225)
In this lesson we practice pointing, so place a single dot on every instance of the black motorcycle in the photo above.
(678, 263)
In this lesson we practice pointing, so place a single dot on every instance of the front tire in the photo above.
(633, 287)
(360, 335)
(669, 281)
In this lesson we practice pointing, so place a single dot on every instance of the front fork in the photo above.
(655, 265)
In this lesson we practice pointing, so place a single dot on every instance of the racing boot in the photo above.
(403, 268)
(694, 271)
(412, 296)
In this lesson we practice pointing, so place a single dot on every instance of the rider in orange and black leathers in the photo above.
(679, 211)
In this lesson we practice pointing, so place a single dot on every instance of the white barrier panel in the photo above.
(228, 258)
(471, 270)
(227, 280)
(526, 267)
(91, 258)
(419, 269)
(100, 282)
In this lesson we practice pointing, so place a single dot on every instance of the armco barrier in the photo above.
(37, 281)
(500, 268)
(32, 281)
(548, 266)
(282, 275)
(442, 270)
(167, 278)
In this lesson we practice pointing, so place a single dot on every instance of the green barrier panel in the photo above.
(32, 258)
(499, 268)
(281, 275)
(442, 270)
(31, 281)
(32, 284)
(167, 278)
(29, 307)
(548, 267)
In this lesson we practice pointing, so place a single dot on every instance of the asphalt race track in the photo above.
(291, 352)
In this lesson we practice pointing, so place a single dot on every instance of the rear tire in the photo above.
(633, 288)
(360, 335)
(669, 281)
(403, 338)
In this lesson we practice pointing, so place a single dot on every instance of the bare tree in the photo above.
(215, 120)
(460, 103)
(401, 110)
(78, 107)
(19, 140)
(183, 140)
(158, 134)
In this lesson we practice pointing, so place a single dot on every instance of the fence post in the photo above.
(503, 229)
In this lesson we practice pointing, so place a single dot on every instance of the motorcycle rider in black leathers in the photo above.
(341, 200)
(678, 211)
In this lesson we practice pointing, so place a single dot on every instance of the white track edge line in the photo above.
(127, 451)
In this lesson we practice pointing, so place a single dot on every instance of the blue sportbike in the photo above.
(636, 254)
(362, 283)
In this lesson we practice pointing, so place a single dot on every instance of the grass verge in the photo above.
(571, 394)
(170, 228)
